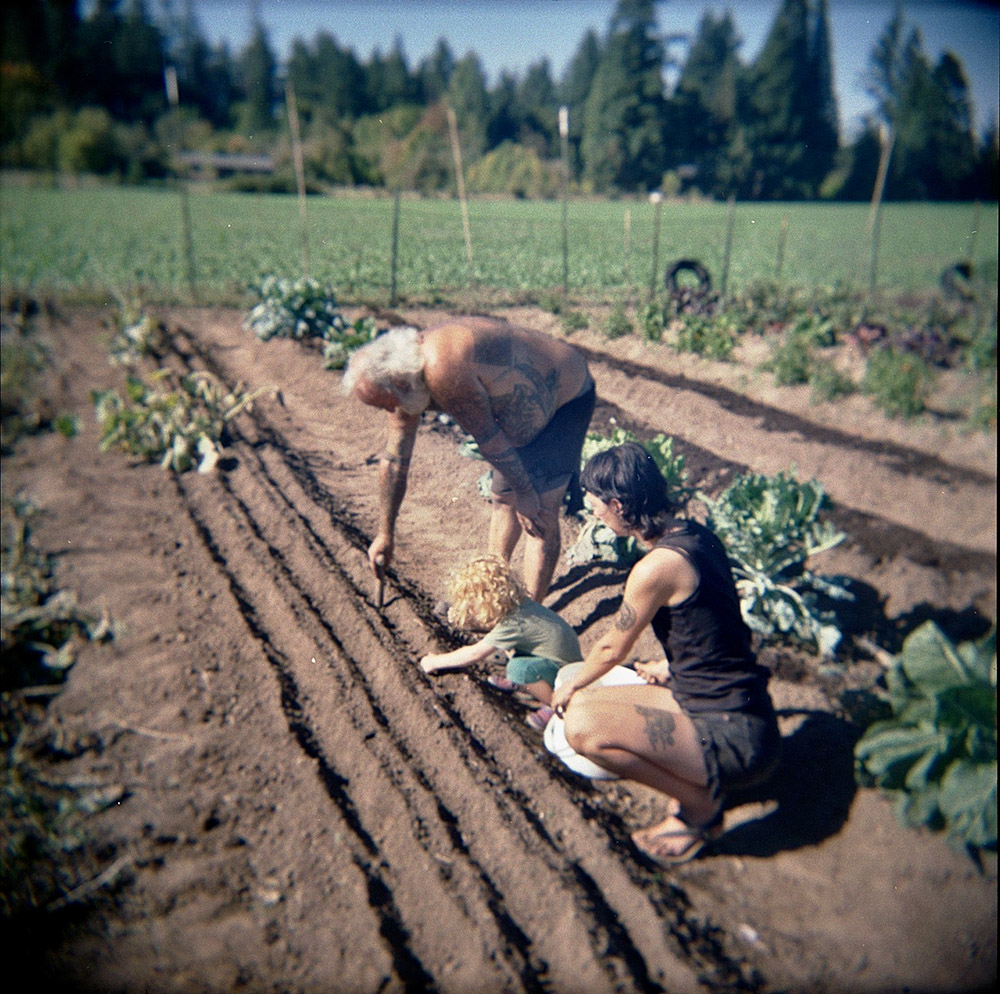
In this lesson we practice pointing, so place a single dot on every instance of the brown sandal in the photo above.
(700, 835)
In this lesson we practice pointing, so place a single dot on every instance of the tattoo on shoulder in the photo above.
(625, 618)
(660, 726)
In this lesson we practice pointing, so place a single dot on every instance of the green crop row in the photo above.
(107, 240)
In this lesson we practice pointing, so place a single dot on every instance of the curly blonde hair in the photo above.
(483, 592)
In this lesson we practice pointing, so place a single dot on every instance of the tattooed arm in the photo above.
(393, 469)
(658, 579)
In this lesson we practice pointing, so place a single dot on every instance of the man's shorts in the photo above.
(552, 458)
(740, 750)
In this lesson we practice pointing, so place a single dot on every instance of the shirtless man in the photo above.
(524, 396)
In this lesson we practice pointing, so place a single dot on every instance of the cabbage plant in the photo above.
(770, 526)
(937, 754)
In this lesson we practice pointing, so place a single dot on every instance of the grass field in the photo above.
(100, 241)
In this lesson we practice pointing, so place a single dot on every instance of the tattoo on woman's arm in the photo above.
(625, 618)
(660, 727)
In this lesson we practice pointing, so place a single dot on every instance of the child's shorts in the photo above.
(532, 669)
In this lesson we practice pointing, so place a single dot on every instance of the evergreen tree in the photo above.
(779, 110)
(435, 73)
(574, 89)
(328, 79)
(258, 68)
(387, 80)
(504, 123)
(468, 98)
(822, 120)
(929, 113)
(205, 77)
(138, 56)
(623, 142)
(702, 112)
(537, 110)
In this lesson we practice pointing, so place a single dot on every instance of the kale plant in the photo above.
(770, 526)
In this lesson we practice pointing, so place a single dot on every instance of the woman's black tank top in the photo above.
(707, 643)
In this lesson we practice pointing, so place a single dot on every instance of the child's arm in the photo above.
(457, 659)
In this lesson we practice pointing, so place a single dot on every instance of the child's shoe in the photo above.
(538, 720)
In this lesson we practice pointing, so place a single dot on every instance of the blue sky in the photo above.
(514, 34)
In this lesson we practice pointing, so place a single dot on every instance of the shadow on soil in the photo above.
(813, 788)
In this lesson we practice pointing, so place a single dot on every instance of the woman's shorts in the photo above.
(531, 669)
(740, 750)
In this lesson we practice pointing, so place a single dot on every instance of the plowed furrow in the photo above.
(422, 779)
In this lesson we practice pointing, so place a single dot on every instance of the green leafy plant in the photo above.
(898, 382)
(301, 308)
(828, 383)
(770, 527)
(791, 361)
(712, 336)
(306, 309)
(652, 322)
(938, 752)
(574, 321)
(21, 364)
(176, 420)
(336, 351)
(617, 324)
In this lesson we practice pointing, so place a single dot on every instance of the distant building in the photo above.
(221, 165)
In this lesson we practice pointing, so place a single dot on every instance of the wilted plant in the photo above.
(42, 626)
(176, 420)
(938, 752)
(144, 337)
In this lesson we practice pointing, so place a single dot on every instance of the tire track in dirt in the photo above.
(440, 772)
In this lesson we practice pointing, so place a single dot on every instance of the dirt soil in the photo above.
(302, 810)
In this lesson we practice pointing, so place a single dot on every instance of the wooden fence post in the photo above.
(564, 177)
(657, 200)
(727, 254)
(170, 82)
(395, 248)
(300, 172)
(456, 152)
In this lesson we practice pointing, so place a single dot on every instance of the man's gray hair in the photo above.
(392, 357)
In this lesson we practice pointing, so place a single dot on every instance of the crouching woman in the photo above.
(703, 723)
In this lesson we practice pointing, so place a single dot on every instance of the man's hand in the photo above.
(529, 512)
(380, 554)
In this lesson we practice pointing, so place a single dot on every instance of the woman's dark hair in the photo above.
(629, 474)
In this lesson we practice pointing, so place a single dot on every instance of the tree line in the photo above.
(121, 90)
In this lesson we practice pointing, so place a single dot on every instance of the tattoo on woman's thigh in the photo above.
(660, 726)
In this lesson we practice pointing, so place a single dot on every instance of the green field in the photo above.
(95, 242)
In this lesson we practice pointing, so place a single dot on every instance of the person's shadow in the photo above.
(809, 794)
